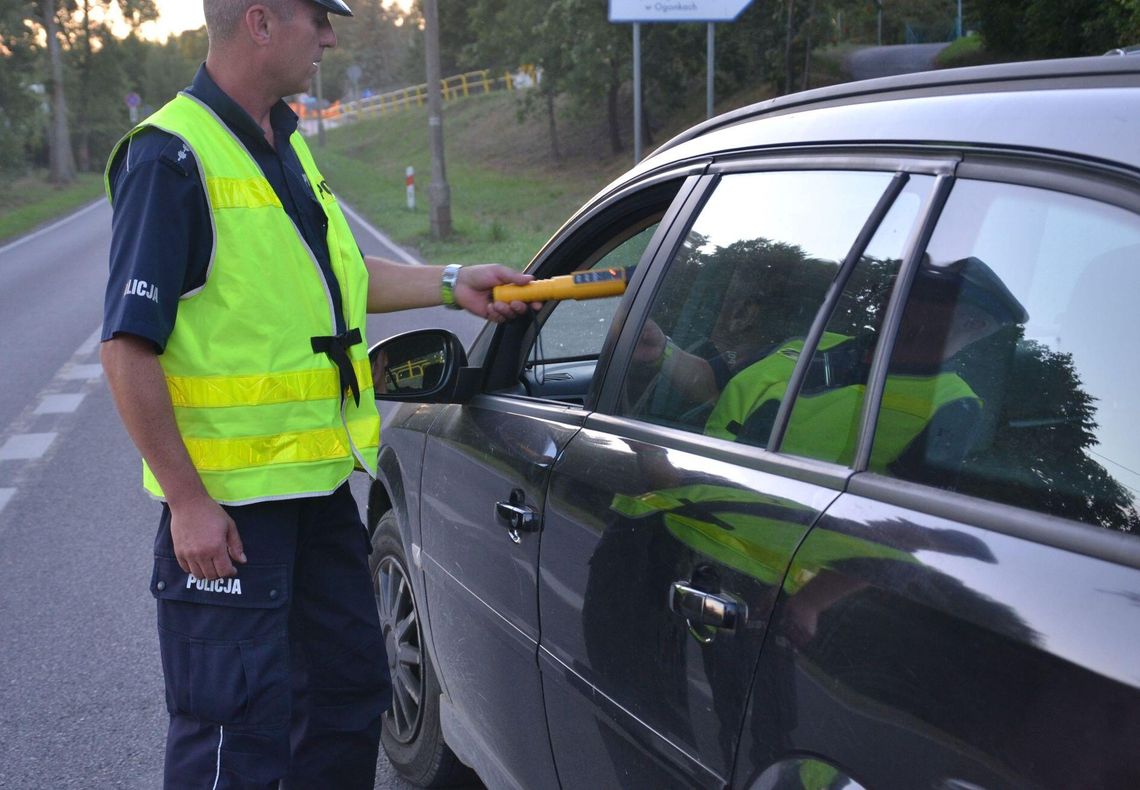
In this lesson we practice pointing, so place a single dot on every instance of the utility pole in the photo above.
(636, 93)
(439, 193)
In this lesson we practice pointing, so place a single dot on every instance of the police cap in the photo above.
(974, 282)
(338, 7)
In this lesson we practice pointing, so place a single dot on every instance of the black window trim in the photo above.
(1036, 526)
(880, 361)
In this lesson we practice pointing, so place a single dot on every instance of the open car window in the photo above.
(553, 354)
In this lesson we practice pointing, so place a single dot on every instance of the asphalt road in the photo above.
(865, 64)
(81, 698)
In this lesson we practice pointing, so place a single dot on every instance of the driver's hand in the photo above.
(650, 345)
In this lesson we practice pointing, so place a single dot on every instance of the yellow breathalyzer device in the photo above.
(590, 284)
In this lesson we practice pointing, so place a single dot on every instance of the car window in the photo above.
(578, 328)
(745, 285)
(552, 354)
(825, 418)
(1013, 375)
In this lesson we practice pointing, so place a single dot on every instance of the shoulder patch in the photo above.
(177, 155)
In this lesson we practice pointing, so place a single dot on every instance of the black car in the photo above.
(842, 491)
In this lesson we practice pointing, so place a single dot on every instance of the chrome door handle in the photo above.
(517, 516)
(704, 608)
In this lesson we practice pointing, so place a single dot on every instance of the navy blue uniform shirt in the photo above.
(161, 233)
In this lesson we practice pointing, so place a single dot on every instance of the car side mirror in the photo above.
(423, 366)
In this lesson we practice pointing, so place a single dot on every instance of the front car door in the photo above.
(665, 540)
(484, 481)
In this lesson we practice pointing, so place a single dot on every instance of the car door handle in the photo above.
(705, 608)
(516, 515)
(522, 519)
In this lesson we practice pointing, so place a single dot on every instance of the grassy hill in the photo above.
(507, 195)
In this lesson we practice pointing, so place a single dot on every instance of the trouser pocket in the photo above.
(224, 645)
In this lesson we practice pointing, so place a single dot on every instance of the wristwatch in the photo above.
(447, 286)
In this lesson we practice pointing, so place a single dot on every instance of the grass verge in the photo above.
(507, 197)
(30, 201)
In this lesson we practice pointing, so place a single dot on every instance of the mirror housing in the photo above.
(422, 366)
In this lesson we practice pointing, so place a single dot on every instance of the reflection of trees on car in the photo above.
(1039, 459)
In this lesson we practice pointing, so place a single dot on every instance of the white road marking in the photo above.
(59, 404)
(26, 446)
(403, 254)
(52, 226)
(89, 344)
(85, 372)
(17, 441)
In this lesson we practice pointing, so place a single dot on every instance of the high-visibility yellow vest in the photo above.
(263, 416)
(824, 425)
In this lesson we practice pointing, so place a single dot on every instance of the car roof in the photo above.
(1081, 107)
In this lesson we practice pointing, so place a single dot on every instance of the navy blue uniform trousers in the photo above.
(277, 675)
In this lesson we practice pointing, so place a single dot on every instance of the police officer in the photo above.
(234, 348)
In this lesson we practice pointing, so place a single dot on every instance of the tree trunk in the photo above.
(59, 142)
(555, 147)
(83, 143)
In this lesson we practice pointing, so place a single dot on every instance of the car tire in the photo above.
(411, 734)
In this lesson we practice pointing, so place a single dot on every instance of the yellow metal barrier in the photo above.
(454, 87)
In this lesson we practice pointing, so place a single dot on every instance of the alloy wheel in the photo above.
(400, 622)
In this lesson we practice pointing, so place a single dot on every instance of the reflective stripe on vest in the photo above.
(261, 414)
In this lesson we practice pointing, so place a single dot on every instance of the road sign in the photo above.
(676, 10)
(133, 101)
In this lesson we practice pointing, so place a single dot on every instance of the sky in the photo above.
(178, 15)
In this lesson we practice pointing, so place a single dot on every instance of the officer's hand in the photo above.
(473, 291)
(206, 540)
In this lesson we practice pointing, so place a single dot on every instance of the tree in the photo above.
(379, 41)
(21, 114)
(1057, 28)
(59, 139)
(509, 33)
(70, 46)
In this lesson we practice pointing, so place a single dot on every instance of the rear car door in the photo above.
(484, 480)
(665, 543)
(974, 600)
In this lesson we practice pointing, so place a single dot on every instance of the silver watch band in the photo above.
(447, 286)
